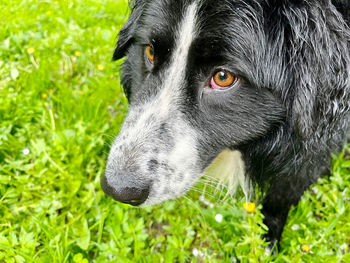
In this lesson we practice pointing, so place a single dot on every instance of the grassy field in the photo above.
(61, 106)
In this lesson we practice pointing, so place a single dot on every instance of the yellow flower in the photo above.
(77, 53)
(100, 67)
(44, 96)
(250, 207)
(305, 248)
(48, 12)
(30, 50)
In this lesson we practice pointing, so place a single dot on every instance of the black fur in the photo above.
(291, 110)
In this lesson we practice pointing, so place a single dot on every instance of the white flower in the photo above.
(344, 247)
(295, 227)
(14, 73)
(218, 218)
(196, 252)
(25, 151)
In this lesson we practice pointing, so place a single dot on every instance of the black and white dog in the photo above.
(262, 86)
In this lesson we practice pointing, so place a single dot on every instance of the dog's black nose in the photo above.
(132, 195)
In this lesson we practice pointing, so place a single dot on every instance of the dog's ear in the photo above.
(319, 63)
(126, 34)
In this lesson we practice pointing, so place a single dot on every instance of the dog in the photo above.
(260, 88)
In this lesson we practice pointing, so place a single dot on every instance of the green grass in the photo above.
(60, 108)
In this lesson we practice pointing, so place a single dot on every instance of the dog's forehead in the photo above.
(232, 26)
(160, 15)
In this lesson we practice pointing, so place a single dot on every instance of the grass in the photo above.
(60, 106)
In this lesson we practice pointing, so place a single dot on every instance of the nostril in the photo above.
(123, 193)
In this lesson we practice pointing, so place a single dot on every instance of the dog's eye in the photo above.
(223, 80)
(149, 50)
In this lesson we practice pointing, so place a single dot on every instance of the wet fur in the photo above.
(291, 110)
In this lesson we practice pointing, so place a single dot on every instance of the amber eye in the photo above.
(223, 80)
(149, 50)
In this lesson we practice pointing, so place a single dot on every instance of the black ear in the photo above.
(126, 34)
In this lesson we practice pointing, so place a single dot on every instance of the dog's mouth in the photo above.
(228, 167)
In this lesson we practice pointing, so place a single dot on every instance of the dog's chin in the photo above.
(174, 192)
(154, 200)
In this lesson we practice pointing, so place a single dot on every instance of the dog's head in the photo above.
(200, 78)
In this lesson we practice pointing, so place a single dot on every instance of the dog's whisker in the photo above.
(213, 183)
(215, 197)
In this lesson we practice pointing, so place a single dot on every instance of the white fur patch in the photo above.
(176, 71)
(184, 154)
(177, 155)
(229, 168)
(165, 102)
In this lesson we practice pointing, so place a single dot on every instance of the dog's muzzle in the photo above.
(126, 191)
